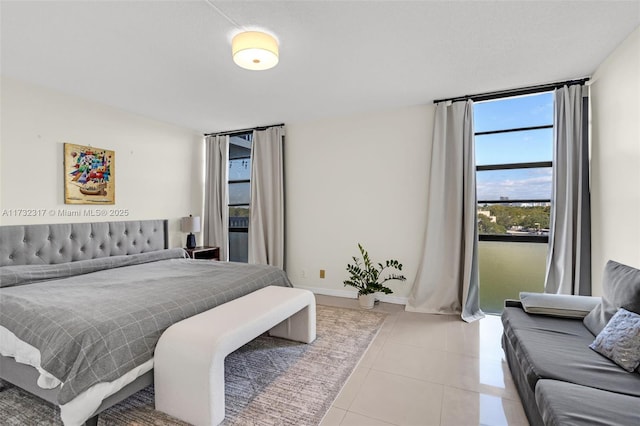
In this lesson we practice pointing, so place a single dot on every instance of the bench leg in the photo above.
(191, 388)
(300, 327)
(216, 389)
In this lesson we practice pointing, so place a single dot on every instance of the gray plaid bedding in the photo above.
(95, 327)
(27, 274)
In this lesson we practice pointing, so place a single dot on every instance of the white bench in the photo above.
(189, 357)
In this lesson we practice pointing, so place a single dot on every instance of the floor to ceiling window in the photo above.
(514, 142)
(239, 196)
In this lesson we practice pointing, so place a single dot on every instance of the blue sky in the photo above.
(519, 184)
(503, 148)
(509, 113)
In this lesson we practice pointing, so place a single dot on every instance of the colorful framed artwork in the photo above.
(89, 175)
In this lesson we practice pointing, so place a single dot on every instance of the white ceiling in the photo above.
(171, 60)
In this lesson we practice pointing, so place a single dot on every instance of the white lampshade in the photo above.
(255, 50)
(190, 224)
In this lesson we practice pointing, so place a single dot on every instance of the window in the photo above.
(239, 196)
(514, 153)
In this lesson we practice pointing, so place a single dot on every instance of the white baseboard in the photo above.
(330, 292)
(398, 300)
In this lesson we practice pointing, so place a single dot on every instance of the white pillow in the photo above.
(558, 305)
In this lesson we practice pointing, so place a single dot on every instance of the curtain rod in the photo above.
(237, 132)
(514, 92)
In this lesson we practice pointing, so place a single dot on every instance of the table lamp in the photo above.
(190, 224)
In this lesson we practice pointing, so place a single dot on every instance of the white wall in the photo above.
(356, 179)
(615, 159)
(158, 170)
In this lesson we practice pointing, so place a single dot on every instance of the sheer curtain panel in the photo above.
(569, 258)
(447, 278)
(216, 198)
(266, 217)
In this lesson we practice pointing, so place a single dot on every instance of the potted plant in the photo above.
(367, 277)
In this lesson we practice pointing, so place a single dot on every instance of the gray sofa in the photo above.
(561, 381)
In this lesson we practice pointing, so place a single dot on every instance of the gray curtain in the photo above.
(569, 258)
(216, 198)
(266, 216)
(447, 280)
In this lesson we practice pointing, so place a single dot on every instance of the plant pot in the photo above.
(366, 300)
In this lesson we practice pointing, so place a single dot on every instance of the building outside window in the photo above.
(239, 196)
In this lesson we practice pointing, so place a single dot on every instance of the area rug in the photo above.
(268, 381)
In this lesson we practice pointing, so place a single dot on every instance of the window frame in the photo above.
(512, 166)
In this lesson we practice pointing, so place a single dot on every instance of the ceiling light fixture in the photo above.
(255, 50)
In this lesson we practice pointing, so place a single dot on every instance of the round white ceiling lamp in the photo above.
(255, 50)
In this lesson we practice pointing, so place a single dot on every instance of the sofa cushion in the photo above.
(558, 305)
(558, 348)
(568, 404)
(620, 340)
(620, 289)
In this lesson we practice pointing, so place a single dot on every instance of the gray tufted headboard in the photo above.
(69, 242)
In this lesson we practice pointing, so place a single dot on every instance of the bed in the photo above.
(83, 305)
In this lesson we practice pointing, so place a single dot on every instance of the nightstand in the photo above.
(204, 252)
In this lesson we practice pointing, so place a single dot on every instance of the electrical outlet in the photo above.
(321, 273)
(303, 273)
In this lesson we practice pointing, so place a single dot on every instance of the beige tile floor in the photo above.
(426, 369)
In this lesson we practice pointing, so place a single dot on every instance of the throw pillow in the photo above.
(620, 289)
(620, 340)
(558, 305)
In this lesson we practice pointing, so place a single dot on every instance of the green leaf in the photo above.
(366, 276)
